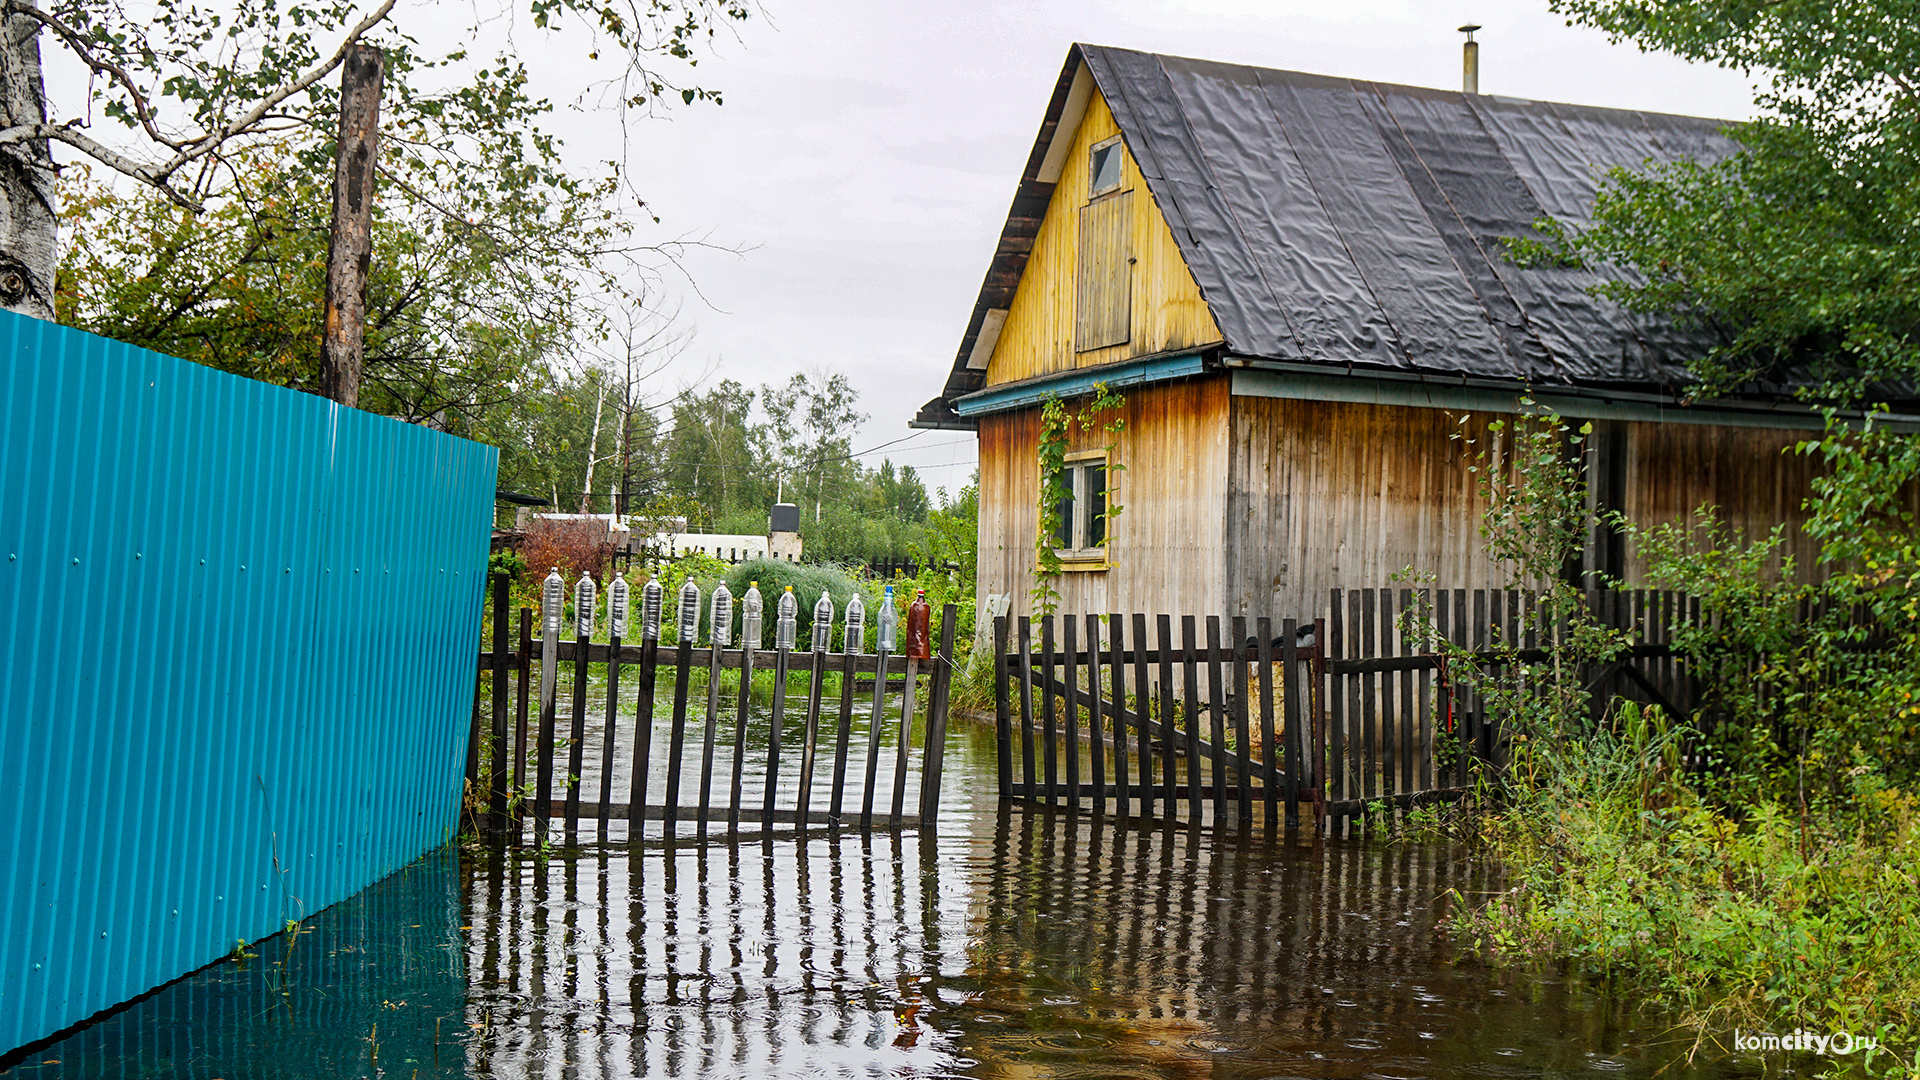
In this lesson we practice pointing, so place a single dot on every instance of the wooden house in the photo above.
(1299, 284)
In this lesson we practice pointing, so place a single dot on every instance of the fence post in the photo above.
(523, 674)
(616, 628)
(935, 751)
(1316, 705)
(1002, 714)
(552, 602)
(497, 800)
(583, 618)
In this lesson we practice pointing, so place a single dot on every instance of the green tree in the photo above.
(1804, 247)
(709, 452)
(811, 420)
(897, 493)
(183, 90)
(459, 320)
(1803, 250)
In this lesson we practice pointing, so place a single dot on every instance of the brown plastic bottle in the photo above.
(919, 628)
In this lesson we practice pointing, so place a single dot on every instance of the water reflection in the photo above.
(375, 985)
(1016, 944)
(1034, 945)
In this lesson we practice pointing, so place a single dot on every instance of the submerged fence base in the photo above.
(1362, 710)
(841, 740)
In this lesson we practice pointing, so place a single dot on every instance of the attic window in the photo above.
(1104, 170)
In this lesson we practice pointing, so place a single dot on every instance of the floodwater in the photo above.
(1007, 943)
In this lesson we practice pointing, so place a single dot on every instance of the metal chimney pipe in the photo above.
(1470, 61)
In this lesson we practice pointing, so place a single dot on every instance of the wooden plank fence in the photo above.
(1324, 720)
(559, 764)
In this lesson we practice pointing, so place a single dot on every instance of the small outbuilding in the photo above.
(1300, 286)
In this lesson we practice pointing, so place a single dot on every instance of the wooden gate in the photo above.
(1116, 727)
(1355, 712)
(815, 738)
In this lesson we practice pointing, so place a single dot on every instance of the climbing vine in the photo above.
(1102, 412)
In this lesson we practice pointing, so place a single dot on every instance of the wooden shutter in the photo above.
(1104, 302)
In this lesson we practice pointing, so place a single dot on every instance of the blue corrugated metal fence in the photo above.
(240, 624)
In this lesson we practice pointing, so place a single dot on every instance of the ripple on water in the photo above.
(1400, 1069)
(1498, 1069)
(1067, 1042)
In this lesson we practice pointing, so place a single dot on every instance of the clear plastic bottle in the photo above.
(584, 597)
(617, 607)
(720, 617)
(553, 598)
(783, 628)
(689, 612)
(888, 622)
(823, 623)
(650, 599)
(856, 625)
(750, 608)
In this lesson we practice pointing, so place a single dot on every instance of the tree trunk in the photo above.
(27, 259)
(343, 343)
(593, 448)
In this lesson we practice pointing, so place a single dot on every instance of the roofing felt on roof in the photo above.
(1339, 222)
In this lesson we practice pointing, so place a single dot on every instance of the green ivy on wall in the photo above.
(1101, 411)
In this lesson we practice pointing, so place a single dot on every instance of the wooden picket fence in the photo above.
(1355, 711)
(559, 763)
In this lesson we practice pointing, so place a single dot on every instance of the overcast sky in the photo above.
(867, 151)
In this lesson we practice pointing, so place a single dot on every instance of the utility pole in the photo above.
(343, 342)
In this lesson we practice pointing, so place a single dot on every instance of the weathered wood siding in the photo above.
(1747, 472)
(1166, 549)
(1325, 494)
(1166, 311)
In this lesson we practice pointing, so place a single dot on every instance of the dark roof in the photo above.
(1358, 224)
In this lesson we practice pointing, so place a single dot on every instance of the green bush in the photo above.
(1780, 915)
(809, 581)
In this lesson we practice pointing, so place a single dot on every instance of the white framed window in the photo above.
(1080, 532)
(1103, 166)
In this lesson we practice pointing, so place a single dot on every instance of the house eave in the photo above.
(1027, 393)
(1254, 377)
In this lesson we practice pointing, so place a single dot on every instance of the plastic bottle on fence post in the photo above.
(720, 617)
(617, 607)
(888, 622)
(856, 625)
(783, 628)
(553, 594)
(750, 626)
(823, 623)
(584, 593)
(689, 612)
(920, 628)
(650, 600)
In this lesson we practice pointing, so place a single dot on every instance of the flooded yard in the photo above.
(1004, 944)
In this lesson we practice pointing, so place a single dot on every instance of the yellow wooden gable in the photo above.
(1061, 310)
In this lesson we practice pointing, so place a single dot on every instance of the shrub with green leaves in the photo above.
(808, 581)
